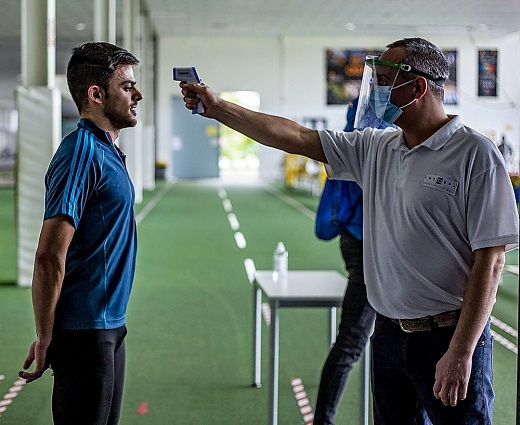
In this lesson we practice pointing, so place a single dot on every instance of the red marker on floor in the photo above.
(143, 408)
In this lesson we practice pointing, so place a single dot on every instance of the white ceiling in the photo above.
(493, 18)
(291, 17)
(320, 17)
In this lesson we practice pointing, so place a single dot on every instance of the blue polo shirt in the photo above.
(87, 181)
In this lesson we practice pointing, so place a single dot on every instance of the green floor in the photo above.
(189, 353)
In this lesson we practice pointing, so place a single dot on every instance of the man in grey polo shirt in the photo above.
(439, 213)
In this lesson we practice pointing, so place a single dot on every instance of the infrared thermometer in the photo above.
(189, 74)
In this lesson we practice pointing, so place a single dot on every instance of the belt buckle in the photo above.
(402, 327)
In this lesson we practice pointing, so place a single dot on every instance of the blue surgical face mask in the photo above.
(381, 104)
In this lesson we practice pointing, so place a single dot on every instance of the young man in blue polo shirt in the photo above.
(438, 214)
(85, 260)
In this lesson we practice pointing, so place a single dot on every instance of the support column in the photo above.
(105, 20)
(147, 112)
(130, 139)
(38, 101)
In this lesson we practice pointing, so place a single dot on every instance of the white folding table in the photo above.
(301, 288)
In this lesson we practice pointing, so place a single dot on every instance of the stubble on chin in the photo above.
(120, 121)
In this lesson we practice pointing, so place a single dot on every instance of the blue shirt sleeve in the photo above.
(69, 177)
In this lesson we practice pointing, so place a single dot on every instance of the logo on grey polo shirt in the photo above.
(440, 183)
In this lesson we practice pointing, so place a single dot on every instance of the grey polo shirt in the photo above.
(425, 210)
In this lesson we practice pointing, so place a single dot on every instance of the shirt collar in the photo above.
(101, 134)
(438, 139)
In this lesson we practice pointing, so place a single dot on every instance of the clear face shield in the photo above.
(379, 77)
(374, 96)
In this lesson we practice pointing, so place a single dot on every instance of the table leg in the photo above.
(257, 332)
(274, 363)
(332, 326)
(366, 384)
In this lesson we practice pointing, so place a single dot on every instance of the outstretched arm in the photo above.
(269, 130)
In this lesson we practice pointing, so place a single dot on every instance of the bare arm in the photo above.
(454, 368)
(269, 130)
(49, 270)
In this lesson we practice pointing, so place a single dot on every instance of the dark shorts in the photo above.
(88, 368)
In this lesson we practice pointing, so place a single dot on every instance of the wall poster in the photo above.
(450, 88)
(345, 71)
(344, 74)
(487, 73)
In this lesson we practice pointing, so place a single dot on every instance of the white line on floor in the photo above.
(153, 202)
(222, 193)
(227, 205)
(249, 264)
(233, 221)
(514, 269)
(504, 326)
(240, 240)
(292, 202)
(505, 342)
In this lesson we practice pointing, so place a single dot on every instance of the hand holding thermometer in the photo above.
(189, 74)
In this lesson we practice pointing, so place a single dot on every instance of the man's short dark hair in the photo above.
(426, 57)
(93, 64)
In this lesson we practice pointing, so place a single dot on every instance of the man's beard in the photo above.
(118, 118)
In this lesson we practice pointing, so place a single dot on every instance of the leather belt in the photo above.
(428, 323)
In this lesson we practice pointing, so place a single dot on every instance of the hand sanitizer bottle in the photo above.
(280, 262)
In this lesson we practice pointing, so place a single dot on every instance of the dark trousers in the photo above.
(403, 375)
(357, 318)
(88, 368)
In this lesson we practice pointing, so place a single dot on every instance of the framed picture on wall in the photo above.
(344, 74)
(450, 88)
(345, 71)
(318, 123)
(487, 73)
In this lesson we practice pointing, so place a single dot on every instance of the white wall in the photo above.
(225, 64)
(289, 74)
(500, 115)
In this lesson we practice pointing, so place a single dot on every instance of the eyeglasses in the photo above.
(374, 61)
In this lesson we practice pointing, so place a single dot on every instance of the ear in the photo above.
(96, 94)
(421, 87)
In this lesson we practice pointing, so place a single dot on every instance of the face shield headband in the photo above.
(379, 76)
(406, 68)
